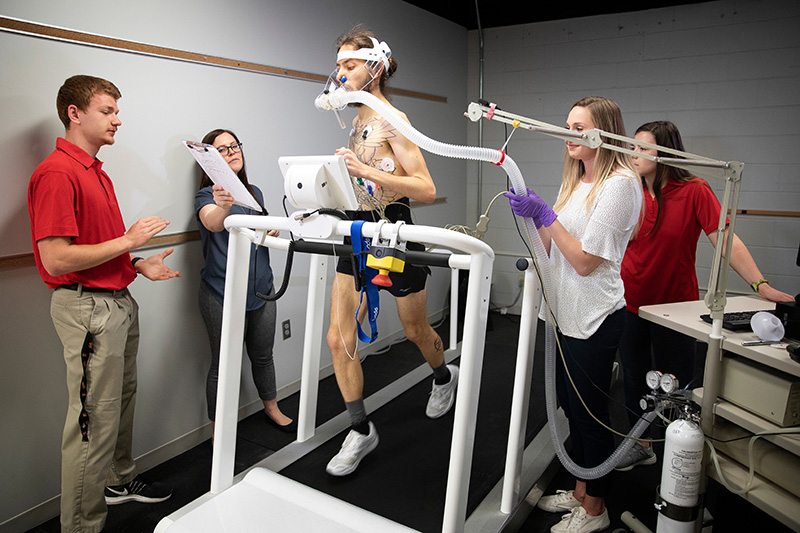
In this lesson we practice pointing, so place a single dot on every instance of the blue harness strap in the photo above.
(360, 247)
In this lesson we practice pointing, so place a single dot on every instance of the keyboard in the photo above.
(737, 321)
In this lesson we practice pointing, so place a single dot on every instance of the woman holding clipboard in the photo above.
(212, 204)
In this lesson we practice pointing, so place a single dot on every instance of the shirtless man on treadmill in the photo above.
(386, 170)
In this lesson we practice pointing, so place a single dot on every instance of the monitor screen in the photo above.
(315, 181)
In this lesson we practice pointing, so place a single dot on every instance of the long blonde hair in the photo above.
(606, 116)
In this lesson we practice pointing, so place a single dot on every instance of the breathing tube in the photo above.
(558, 438)
(338, 99)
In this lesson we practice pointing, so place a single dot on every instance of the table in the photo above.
(685, 318)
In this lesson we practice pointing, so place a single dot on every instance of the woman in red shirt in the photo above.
(659, 267)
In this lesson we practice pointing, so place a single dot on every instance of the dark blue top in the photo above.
(215, 253)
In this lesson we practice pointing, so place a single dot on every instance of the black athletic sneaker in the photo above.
(138, 490)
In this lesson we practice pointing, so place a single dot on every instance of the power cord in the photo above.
(480, 227)
(751, 468)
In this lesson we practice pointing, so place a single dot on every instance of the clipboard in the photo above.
(220, 173)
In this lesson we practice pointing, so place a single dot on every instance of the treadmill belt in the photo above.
(405, 478)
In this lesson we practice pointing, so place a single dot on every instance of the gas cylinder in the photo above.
(680, 477)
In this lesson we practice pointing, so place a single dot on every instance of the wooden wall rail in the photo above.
(26, 260)
(762, 212)
(62, 34)
(53, 32)
(13, 25)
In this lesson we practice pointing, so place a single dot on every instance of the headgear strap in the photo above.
(380, 52)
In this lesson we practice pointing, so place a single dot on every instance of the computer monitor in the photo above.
(315, 181)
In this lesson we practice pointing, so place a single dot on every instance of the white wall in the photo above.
(727, 73)
(163, 102)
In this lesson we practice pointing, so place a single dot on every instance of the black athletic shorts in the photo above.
(413, 278)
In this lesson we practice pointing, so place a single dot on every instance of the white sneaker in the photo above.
(577, 521)
(443, 396)
(561, 501)
(355, 447)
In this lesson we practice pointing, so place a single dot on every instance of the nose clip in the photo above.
(343, 79)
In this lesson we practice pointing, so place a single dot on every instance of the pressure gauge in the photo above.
(653, 379)
(669, 383)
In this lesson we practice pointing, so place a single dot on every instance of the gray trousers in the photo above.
(259, 337)
(104, 457)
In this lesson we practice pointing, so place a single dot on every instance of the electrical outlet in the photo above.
(287, 329)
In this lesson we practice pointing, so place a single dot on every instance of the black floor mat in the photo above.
(405, 478)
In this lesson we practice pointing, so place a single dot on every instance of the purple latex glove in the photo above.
(532, 206)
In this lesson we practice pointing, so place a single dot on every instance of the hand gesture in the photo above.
(154, 269)
(144, 229)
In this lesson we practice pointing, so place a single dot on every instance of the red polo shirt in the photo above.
(69, 195)
(660, 267)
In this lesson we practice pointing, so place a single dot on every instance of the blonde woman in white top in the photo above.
(586, 234)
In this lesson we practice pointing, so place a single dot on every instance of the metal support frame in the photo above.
(531, 296)
(312, 343)
(728, 171)
(245, 230)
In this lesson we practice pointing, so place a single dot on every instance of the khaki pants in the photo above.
(105, 458)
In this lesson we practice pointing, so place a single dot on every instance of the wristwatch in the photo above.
(757, 284)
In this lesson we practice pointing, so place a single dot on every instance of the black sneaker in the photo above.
(137, 490)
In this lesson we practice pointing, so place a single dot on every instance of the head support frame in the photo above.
(379, 53)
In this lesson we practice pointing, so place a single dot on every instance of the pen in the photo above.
(759, 343)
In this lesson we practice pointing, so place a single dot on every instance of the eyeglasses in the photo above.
(233, 149)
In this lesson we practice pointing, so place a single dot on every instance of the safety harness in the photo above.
(364, 276)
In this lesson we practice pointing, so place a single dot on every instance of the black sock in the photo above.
(358, 416)
(362, 427)
(441, 374)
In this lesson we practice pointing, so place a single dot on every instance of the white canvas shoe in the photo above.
(578, 521)
(561, 501)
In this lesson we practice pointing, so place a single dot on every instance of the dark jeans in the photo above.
(259, 336)
(590, 362)
(647, 346)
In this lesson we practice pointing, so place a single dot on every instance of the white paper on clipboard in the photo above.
(220, 173)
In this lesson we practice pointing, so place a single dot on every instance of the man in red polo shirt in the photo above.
(82, 252)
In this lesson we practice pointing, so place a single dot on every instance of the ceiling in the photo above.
(496, 13)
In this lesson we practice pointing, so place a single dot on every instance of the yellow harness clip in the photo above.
(386, 256)
(385, 260)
